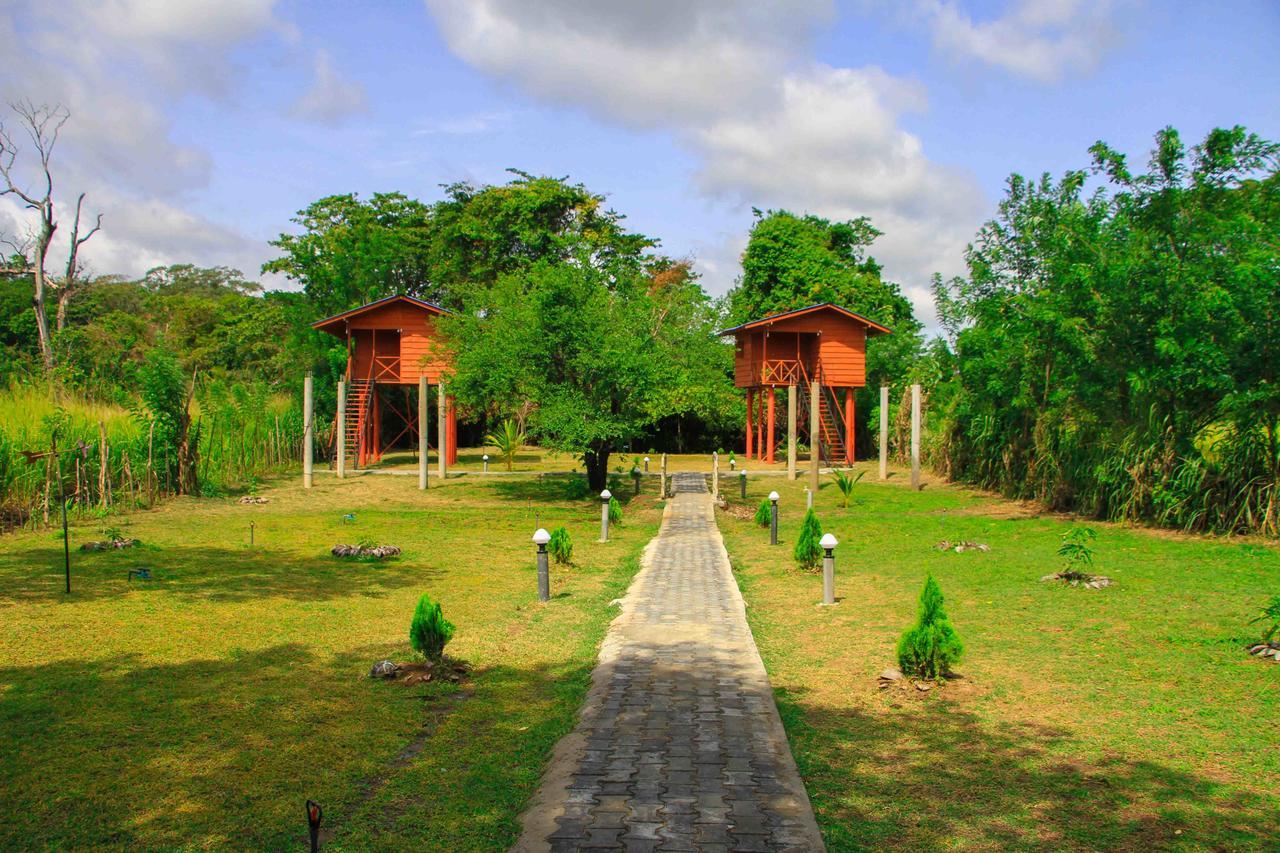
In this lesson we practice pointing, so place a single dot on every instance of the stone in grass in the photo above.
(962, 546)
(1265, 650)
(384, 669)
(377, 552)
(254, 499)
(1083, 579)
(110, 544)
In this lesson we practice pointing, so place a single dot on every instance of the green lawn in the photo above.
(202, 707)
(1124, 718)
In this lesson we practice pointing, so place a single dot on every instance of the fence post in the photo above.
(915, 437)
(422, 431)
(309, 431)
(663, 477)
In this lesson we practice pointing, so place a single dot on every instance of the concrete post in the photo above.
(309, 431)
(773, 518)
(884, 432)
(828, 544)
(742, 482)
(540, 538)
(663, 477)
(815, 435)
(605, 496)
(422, 432)
(442, 433)
(792, 403)
(915, 437)
(808, 498)
(342, 430)
(715, 476)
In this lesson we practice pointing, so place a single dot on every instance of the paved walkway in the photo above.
(679, 745)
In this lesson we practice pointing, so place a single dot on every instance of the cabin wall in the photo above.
(417, 334)
(837, 342)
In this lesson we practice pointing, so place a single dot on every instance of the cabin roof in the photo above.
(872, 326)
(330, 324)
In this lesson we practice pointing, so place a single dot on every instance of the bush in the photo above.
(808, 552)
(561, 545)
(576, 488)
(931, 646)
(764, 513)
(1270, 619)
(845, 484)
(615, 511)
(430, 631)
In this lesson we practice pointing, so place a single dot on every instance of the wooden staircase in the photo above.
(359, 399)
(831, 426)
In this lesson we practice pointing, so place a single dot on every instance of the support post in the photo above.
(751, 427)
(769, 429)
(453, 430)
(663, 477)
(849, 426)
(341, 462)
(442, 432)
(308, 431)
(792, 405)
(815, 435)
(915, 437)
(884, 432)
(715, 476)
(422, 432)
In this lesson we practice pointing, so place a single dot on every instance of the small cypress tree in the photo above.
(808, 552)
(931, 646)
(764, 513)
(561, 545)
(615, 511)
(430, 631)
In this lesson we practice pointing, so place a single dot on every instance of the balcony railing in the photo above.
(780, 372)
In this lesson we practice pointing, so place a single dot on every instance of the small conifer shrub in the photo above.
(430, 631)
(615, 511)
(808, 552)
(560, 545)
(931, 646)
(764, 513)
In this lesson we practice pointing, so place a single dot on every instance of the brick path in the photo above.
(679, 745)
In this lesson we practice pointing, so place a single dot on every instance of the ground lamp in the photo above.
(486, 463)
(828, 544)
(742, 482)
(540, 538)
(646, 464)
(604, 515)
(773, 518)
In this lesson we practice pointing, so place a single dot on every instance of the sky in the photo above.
(198, 130)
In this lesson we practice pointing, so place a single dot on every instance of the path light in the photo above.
(635, 477)
(742, 482)
(828, 544)
(604, 515)
(646, 464)
(486, 463)
(773, 518)
(540, 538)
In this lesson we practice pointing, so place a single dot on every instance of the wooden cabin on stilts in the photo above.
(820, 348)
(389, 350)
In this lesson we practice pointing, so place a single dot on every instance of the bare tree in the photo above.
(42, 123)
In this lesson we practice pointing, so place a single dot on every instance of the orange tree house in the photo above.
(389, 349)
(824, 345)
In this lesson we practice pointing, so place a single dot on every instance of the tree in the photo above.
(594, 348)
(429, 632)
(930, 647)
(42, 123)
(508, 438)
(807, 551)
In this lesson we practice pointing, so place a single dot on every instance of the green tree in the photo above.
(429, 632)
(508, 438)
(808, 553)
(930, 647)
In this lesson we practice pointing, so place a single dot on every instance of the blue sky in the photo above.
(199, 129)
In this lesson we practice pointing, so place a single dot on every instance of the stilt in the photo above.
(792, 405)
(375, 439)
(442, 433)
(815, 435)
(309, 431)
(769, 441)
(884, 432)
(915, 437)
(751, 427)
(849, 425)
(453, 432)
(341, 460)
(422, 432)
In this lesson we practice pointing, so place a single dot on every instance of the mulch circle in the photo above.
(377, 552)
(254, 500)
(1083, 579)
(1266, 650)
(961, 547)
(420, 672)
(110, 544)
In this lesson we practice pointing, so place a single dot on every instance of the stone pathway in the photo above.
(679, 745)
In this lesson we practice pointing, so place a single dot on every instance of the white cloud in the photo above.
(1039, 39)
(331, 99)
(464, 125)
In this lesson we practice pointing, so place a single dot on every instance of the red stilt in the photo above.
(452, 415)
(751, 427)
(849, 436)
(769, 431)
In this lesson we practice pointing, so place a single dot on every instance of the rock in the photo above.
(617, 602)
(891, 674)
(923, 686)
(944, 545)
(253, 499)
(384, 669)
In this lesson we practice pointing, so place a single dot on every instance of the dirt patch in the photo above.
(420, 672)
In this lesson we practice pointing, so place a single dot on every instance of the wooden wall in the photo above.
(838, 342)
(417, 333)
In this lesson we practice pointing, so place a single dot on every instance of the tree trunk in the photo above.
(597, 462)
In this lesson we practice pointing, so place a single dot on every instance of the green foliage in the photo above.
(764, 513)
(930, 647)
(560, 545)
(1076, 550)
(576, 488)
(1270, 619)
(845, 484)
(615, 511)
(430, 631)
(808, 553)
(508, 438)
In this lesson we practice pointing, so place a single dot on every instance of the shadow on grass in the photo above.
(935, 776)
(222, 574)
(218, 753)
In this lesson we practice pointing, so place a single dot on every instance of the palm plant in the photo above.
(508, 438)
(846, 483)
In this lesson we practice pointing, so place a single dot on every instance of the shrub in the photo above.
(931, 646)
(430, 631)
(764, 513)
(615, 511)
(1076, 551)
(576, 488)
(508, 438)
(845, 484)
(560, 545)
(808, 552)
(1270, 619)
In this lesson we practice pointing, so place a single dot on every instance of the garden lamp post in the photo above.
(646, 464)
(635, 478)
(773, 518)
(540, 538)
(742, 482)
(604, 515)
(486, 463)
(828, 544)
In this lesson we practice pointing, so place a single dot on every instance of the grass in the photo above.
(202, 707)
(1125, 718)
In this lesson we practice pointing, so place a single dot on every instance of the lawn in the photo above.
(202, 707)
(1122, 718)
